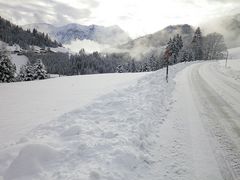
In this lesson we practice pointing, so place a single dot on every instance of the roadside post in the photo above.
(167, 54)
(226, 59)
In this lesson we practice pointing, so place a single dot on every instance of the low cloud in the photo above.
(49, 11)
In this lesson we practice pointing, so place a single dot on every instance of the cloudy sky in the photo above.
(137, 17)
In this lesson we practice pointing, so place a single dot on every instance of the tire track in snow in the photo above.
(214, 110)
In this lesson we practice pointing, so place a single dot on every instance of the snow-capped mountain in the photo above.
(113, 35)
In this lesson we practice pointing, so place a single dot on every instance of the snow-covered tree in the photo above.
(32, 72)
(26, 73)
(214, 46)
(39, 70)
(133, 66)
(120, 69)
(197, 44)
(173, 47)
(7, 69)
(185, 55)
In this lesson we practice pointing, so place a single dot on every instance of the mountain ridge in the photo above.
(66, 34)
(160, 38)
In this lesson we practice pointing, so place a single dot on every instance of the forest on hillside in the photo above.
(13, 34)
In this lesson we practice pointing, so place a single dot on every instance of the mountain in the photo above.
(112, 35)
(229, 26)
(13, 34)
(161, 37)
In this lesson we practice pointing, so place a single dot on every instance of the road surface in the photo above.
(207, 118)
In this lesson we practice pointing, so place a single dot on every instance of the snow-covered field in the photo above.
(27, 104)
(92, 135)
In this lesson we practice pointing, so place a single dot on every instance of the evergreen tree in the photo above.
(197, 44)
(32, 72)
(120, 69)
(11, 34)
(26, 73)
(39, 70)
(173, 47)
(179, 42)
(133, 67)
(7, 69)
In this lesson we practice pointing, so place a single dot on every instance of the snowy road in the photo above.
(207, 106)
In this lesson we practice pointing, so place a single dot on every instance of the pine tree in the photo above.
(39, 70)
(197, 44)
(179, 42)
(7, 69)
(120, 69)
(26, 73)
(133, 67)
(32, 72)
(173, 47)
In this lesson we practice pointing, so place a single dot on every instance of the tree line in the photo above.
(209, 47)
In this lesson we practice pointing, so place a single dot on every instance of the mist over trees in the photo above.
(214, 46)
(201, 47)
(209, 47)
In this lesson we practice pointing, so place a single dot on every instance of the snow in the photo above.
(104, 126)
(205, 121)
(234, 53)
(124, 126)
(19, 61)
(24, 105)
(61, 49)
(32, 159)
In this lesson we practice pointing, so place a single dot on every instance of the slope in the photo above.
(161, 38)
(13, 34)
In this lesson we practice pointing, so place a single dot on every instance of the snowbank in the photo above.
(19, 61)
(114, 137)
(24, 105)
(234, 53)
(31, 160)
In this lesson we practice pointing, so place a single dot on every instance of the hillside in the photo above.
(13, 34)
(161, 37)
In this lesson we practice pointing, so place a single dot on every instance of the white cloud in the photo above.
(137, 17)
